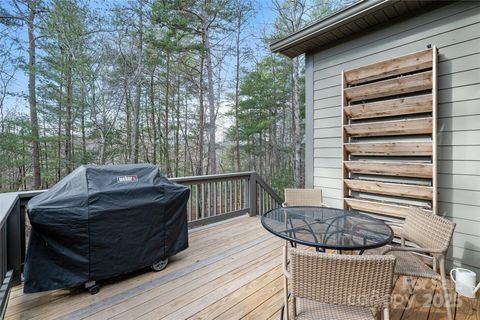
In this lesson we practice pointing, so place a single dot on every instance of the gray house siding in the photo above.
(455, 30)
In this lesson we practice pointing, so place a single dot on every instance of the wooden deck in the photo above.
(231, 271)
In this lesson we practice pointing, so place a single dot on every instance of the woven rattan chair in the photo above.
(333, 286)
(303, 197)
(432, 234)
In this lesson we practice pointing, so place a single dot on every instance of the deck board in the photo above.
(230, 271)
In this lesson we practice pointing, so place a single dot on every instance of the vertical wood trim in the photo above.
(344, 141)
(309, 122)
(434, 130)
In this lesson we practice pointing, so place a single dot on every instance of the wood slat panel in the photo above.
(383, 208)
(400, 169)
(390, 149)
(401, 85)
(377, 86)
(390, 128)
(405, 64)
(388, 108)
(391, 189)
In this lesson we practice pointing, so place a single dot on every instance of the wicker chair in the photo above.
(332, 286)
(432, 234)
(303, 197)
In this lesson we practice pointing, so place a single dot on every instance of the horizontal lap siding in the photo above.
(455, 30)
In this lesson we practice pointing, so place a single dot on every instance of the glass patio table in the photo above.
(327, 228)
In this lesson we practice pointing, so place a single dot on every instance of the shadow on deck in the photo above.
(231, 270)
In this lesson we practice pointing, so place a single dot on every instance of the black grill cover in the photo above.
(102, 221)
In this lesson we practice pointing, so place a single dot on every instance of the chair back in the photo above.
(428, 230)
(303, 197)
(362, 281)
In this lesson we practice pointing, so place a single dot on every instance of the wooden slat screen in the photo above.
(389, 135)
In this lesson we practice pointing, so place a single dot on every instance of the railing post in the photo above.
(23, 244)
(252, 194)
(14, 243)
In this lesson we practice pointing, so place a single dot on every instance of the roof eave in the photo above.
(327, 24)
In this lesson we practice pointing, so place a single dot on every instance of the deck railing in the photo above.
(212, 198)
(221, 196)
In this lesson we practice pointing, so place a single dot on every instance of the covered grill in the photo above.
(103, 221)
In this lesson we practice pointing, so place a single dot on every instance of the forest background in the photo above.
(188, 85)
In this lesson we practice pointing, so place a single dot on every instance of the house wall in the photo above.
(455, 30)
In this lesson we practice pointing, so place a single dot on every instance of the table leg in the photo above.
(285, 302)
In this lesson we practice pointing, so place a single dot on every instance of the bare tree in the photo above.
(237, 86)
(138, 91)
(206, 23)
(26, 12)
(290, 19)
(7, 73)
(32, 98)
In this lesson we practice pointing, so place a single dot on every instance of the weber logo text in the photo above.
(126, 179)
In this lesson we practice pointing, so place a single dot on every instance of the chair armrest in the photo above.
(412, 249)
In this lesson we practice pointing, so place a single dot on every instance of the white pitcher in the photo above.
(465, 281)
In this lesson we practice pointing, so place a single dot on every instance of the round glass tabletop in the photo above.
(327, 228)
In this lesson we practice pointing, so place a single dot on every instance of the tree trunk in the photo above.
(297, 176)
(32, 99)
(177, 129)
(201, 120)
(212, 158)
(45, 153)
(138, 91)
(152, 115)
(237, 92)
(128, 111)
(103, 156)
(296, 20)
(186, 150)
(84, 137)
(23, 170)
(274, 143)
(166, 146)
(135, 124)
(59, 142)
(68, 120)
